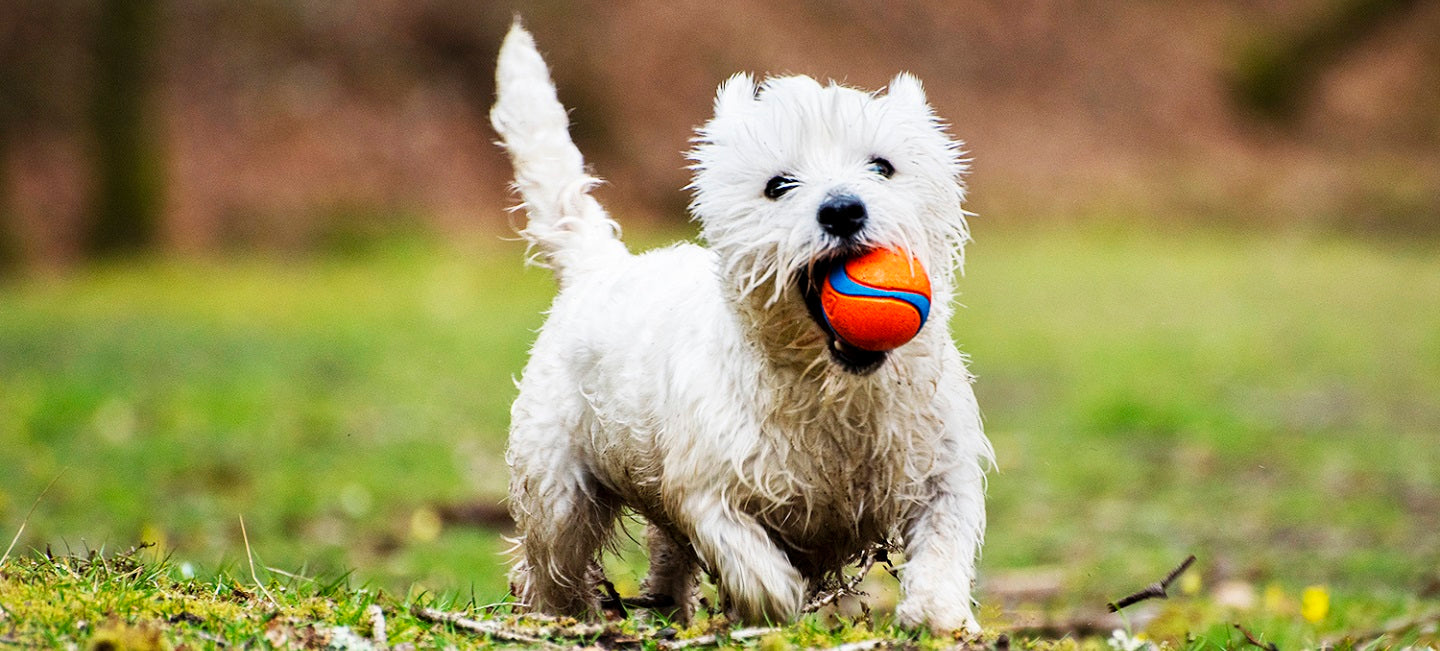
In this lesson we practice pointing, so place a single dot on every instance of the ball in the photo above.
(876, 301)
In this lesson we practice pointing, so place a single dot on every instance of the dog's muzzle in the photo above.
(853, 360)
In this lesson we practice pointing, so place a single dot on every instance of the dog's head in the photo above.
(792, 178)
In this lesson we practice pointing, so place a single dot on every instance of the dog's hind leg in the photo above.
(564, 517)
(671, 583)
(562, 529)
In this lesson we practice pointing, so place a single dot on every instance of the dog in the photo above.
(700, 388)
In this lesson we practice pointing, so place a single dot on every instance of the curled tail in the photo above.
(566, 225)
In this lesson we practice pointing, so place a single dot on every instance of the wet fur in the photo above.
(693, 386)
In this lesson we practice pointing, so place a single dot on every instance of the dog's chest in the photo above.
(827, 492)
(826, 527)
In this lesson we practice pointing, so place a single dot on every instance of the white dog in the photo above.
(699, 387)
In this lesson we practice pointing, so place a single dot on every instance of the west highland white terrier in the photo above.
(703, 389)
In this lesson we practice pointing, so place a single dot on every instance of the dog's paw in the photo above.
(939, 619)
(766, 596)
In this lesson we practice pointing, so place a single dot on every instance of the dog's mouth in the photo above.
(853, 360)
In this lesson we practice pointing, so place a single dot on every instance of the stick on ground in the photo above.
(492, 629)
(1154, 590)
(715, 638)
(1250, 637)
(537, 636)
(823, 599)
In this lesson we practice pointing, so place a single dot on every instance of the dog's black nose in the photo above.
(842, 215)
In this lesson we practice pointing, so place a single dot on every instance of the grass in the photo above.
(1264, 402)
(331, 402)
(135, 601)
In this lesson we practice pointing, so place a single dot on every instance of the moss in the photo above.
(122, 603)
(120, 636)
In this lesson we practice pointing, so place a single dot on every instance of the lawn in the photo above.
(1267, 402)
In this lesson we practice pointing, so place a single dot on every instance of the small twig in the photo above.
(377, 626)
(136, 549)
(561, 625)
(553, 627)
(251, 557)
(493, 629)
(825, 598)
(495, 606)
(1268, 646)
(610, 598)
(714, 638)
(1154, 590)
(26, 520)
(1179, 569)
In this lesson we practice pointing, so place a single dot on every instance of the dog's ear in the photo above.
(736, 92)
(906, 89)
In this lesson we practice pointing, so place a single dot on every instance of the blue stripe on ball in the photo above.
(842, 283)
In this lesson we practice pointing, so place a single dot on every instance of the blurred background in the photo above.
(197, 126)
(257, 261)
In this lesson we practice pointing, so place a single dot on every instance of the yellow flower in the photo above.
(1314, 603)
(1274, 599)
(425, 524)
(1190, 584)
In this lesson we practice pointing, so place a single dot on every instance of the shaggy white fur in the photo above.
(697, 387)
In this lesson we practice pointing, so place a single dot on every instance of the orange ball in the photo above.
(876, 301)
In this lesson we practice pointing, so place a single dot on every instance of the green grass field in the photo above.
(1265, 402)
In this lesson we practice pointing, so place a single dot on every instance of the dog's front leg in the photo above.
(941, 545)
(754, 575)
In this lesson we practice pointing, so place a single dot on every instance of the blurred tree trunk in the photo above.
(12, 108)
(9, 239)
(129, 176)
(1275, 72)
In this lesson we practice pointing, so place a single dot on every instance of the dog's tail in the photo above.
(566, 225)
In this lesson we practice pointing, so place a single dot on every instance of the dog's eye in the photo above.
(882, 167)
(777, 186)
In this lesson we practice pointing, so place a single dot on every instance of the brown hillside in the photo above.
(282, 121)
